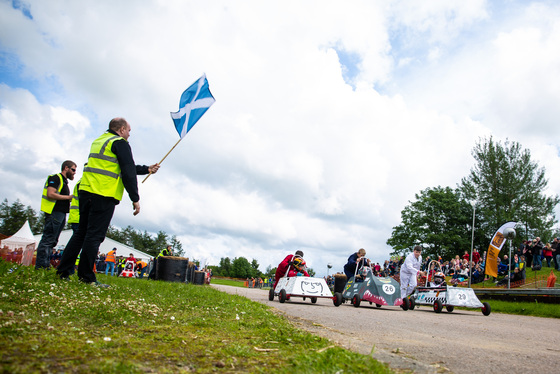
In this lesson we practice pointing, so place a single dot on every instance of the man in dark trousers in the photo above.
(110, 170)
(55, 203)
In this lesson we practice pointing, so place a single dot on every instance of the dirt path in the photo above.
(421, 340)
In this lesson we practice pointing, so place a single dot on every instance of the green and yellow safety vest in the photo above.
(74, 216)
(47, 205)
(163, 252)
(102, 175)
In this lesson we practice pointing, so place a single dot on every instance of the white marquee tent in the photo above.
(22, 239)
(105, 247)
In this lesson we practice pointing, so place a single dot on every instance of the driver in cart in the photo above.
(285, 266)
(410, 270)
(438, 280)
(298, 268)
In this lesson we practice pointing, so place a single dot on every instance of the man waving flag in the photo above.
(194, 102)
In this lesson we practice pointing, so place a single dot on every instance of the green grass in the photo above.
(139, 326)
(524, 308)
(228, 282)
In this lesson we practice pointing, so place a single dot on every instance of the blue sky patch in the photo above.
(350, 62)
(23, 7)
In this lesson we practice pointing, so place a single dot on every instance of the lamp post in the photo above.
(472, 242)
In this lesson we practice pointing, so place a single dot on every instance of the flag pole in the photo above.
(164, 157)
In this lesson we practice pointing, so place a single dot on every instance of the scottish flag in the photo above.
(194, 102)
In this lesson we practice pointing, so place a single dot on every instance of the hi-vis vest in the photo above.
(163, 252)
(110, 257)
(74, 216)
(47, 205)
(102, 175)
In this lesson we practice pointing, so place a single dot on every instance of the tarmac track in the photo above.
(463, 341)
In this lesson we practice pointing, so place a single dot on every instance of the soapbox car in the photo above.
(377, 290)
(439, 296)
(129, 270)
(305, 287)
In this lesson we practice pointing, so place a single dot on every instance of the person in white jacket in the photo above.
(410, 270)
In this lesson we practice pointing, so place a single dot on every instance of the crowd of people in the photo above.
(530, 254)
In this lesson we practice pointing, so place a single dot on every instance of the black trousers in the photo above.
(96, 213)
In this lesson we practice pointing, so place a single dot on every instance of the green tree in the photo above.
(255, 266)
(145, 242)
(225, 267)
(241, 268)
(12, 217)
(508, 186)
(311, 272)
(438, 219)
(177, 246)
(270, 271)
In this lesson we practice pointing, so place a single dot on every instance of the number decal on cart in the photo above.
(389, 289)
(462, 296)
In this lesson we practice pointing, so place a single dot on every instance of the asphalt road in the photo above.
(425, 342)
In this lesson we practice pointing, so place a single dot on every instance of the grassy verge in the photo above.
(524, 308)
(139, 326)
(228, 282)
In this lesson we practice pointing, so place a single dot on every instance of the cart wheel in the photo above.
(271, 294)
(438, 306)
(378, 305)
(405, 304)
(282, 296)
(486, 309)
(356, 301)
(412, 303)
(337, 300)
(313, 300)
(449, 308)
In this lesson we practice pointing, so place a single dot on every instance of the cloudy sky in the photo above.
(329, 116)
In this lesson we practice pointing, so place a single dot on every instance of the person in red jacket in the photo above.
(476, 256)
(132, 264)
(284, 266)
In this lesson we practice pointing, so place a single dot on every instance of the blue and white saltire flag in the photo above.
(194, 102)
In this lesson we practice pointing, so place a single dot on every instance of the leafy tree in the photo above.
(270, 271)
(177, 246)
(241, 268)
(225, 267)
(255, 266)
(12, 217)
(508, 186)
(311, 272)
(145, 242)
(38, 224)
(439, 220)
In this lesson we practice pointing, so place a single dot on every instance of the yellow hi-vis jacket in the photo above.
(47, 205)
(102, 175)
(74, 216)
